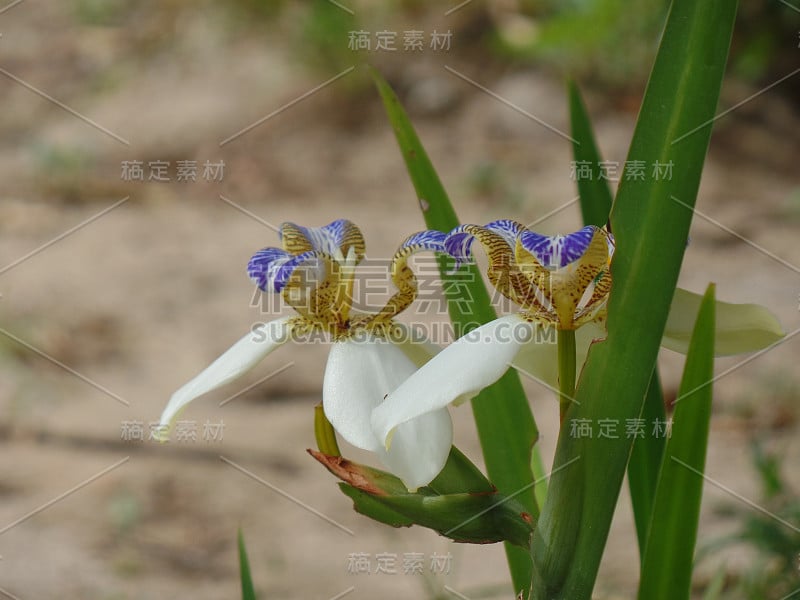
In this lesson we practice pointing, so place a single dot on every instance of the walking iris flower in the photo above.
(560, 283)
(370, 354)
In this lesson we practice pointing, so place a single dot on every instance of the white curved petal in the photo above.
(420, 350)
(237, 360)
(584, 336)
(739, 328)
(464, 368)
(420, 448)
(539, 357)
(359, 374)
(414, 344)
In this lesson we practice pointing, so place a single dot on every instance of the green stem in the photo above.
(566, 368)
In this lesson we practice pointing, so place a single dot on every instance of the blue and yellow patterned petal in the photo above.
(508, 229)
(571, 272)
(557, 251)
(272, 268)
(503, 272)
(268, 269)
(334, 239)
(459, 241)
(313, 271)
(402, 275)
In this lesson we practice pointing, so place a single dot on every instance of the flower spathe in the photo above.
(371, 354)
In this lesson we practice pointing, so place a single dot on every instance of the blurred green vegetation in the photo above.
(767, 43)
(610, 43)
(315, 31)
(613, 42)
(104, 13)
(323, 37)
(770, 532)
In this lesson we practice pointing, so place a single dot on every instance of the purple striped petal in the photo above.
(508, 229)
(329, 239)
(262, 266)
(458, 244)
(402, 276)
(558, 251)
(424, 240)
(271, 268)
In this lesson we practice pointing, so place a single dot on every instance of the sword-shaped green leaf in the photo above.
(650, 220)
(593, 189)
(669, 552)
(596, 200)
(504, 421)
(248, 591)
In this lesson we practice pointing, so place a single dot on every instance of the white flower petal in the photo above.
(420, 350)
(465, 367)
(539, 357)
(416, 346)
(739, 328)
(358, 376)
(237, 360)
(584, 336)
(420, 448)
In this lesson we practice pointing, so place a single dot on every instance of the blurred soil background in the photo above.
(115, 292)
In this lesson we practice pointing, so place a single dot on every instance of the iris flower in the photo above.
(370, 354)
(560, 283)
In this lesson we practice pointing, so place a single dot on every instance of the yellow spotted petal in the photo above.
(334, 239)
(311, 287)
(402, 275)
(503, 271)
(563, 281)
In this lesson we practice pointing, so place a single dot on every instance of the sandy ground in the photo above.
(114, 293)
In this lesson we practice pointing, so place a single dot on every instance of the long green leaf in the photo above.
(595, 199)
(667, 565)
(248, 591)
(650, 220)
(593, 188)
(505, 424)
(645, 461)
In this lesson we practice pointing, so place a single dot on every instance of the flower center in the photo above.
(315, 274)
